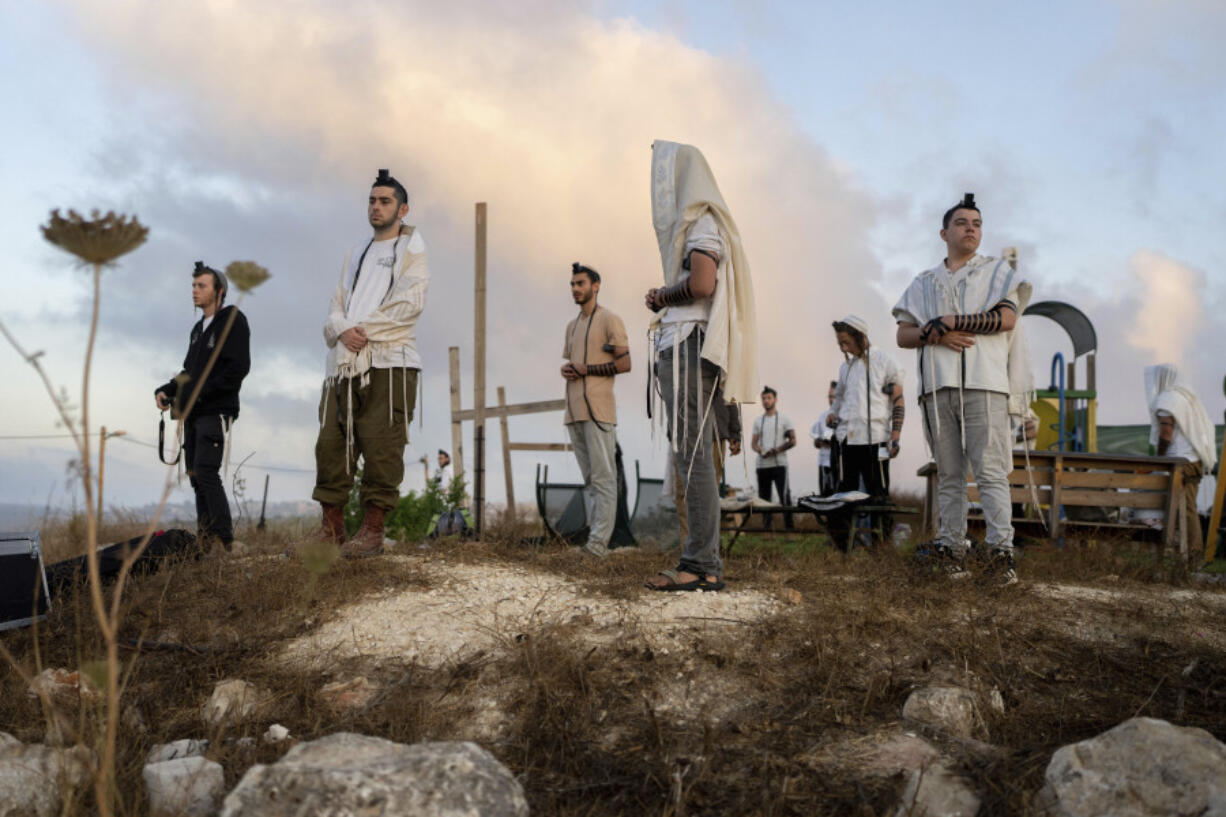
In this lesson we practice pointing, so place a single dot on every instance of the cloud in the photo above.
(1170, 314)
(251, 131)
(1159, 315)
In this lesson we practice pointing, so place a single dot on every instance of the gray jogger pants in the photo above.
(982, 420)
(695, 438)
(595, 450)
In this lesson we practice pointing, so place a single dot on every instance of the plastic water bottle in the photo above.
(902, 532)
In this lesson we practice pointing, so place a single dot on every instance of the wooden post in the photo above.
(1174, 501)
(1215, 516)
(102, 465)
(263, 504)
(506, 452)
(101, 471)
(457, 428)
(479, 371)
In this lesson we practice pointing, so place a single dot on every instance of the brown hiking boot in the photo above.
(331, 530)
(368, 541)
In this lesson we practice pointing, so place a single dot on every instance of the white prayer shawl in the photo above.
(997, 362)
(682, 190)
(1166, 391)
(391, 330)
(859, 397)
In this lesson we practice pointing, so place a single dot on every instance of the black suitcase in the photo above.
(23, 581)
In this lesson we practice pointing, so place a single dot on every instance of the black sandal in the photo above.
(677, 586)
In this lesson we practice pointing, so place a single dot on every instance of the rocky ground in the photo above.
(817, 684)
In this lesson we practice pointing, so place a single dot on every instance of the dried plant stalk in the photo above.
(98, 240)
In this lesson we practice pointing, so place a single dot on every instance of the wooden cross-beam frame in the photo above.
(502, 411)
(480, 411)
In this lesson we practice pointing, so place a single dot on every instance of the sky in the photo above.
(1089, 131)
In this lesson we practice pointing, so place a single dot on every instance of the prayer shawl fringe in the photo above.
(390, 327)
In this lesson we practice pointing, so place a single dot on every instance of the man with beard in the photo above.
(596, 351)
(373, 365)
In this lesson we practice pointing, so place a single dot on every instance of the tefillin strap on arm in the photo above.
(934, 325)
(607, 369)
(675, 295)
(897, 412)
(984, 323)
(602, 370)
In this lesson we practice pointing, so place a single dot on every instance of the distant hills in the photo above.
(23, 517)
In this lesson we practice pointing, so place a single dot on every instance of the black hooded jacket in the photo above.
(220, 392)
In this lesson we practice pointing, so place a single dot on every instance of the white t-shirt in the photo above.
(821, 431)
(1180, 445)
(207, 320)
(373, 284)
(678, 322)
(771, 431)
(859, 398)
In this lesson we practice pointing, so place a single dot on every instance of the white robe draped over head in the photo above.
(1166, 391)
(682, 190)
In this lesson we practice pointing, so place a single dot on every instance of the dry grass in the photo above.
(774, 717)
(65, 537)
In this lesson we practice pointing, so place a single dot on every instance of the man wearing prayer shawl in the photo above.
(959, 316)
(867, 414)
(1180, 427)
(703, 335)
(372, 370)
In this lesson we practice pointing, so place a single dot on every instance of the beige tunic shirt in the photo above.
(605, 329)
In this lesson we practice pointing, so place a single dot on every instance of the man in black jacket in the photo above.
(208, 420)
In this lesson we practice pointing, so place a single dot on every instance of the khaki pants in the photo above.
(1193, 472)
(379, 413)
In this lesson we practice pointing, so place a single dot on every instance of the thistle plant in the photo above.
(98, 242)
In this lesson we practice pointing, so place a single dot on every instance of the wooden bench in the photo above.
(1074, 479)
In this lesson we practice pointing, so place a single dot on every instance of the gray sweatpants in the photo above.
(595, 449)
(983, 421)
(695, 440)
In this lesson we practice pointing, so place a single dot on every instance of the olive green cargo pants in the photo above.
(379, 413)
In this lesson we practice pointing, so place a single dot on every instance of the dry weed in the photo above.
(771, 717)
